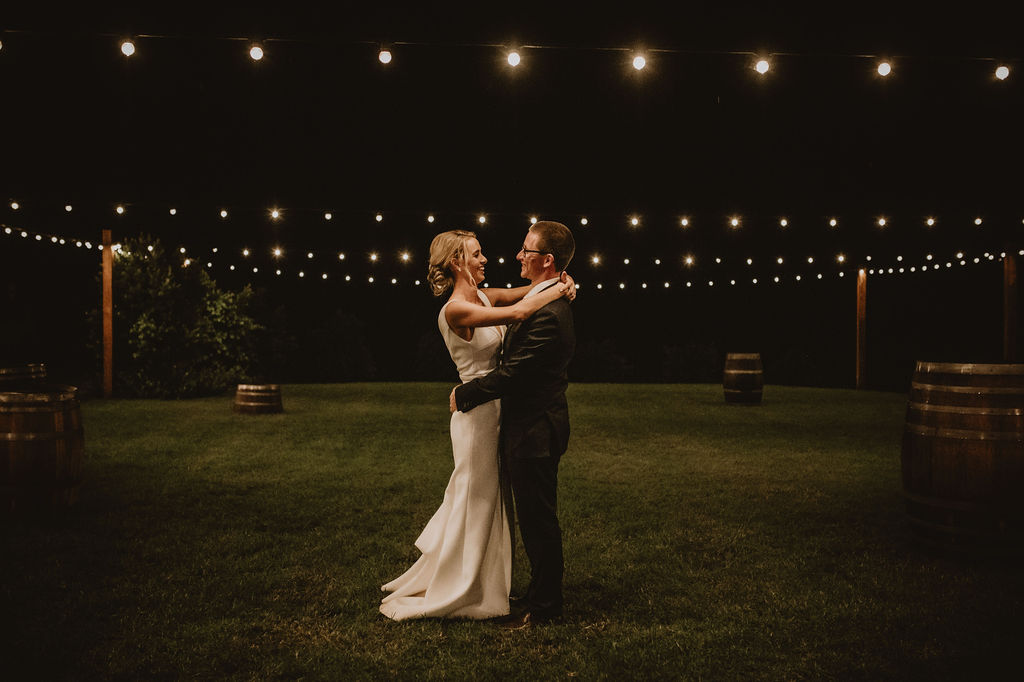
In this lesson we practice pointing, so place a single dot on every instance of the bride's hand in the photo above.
(568, 286)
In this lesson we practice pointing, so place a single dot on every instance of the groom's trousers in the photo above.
(535, 488)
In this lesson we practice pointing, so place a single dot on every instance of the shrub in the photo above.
(176, 335)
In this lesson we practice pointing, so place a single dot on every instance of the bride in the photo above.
(465, 570)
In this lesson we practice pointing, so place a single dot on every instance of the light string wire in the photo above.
(215, 261)
(513, 46)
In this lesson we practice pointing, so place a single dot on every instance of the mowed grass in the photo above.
(703, 541)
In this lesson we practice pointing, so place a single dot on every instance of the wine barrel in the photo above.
(743, 379)
(21, 375)
(41, 447)
(258, 399)
(963, 457)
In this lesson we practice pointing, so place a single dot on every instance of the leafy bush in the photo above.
(176, 335)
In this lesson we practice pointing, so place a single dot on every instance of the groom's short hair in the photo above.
(556, 239)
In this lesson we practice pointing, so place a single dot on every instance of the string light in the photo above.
(533, 220)
(583, 221)
(634, 221)
(275, 214)
(639, 62)
(513, 58)
(327, 216)
(405, 257)
(881, 222)
(930, 222)
(762, 66)
(833, 222)
(1002, 72)
(379, 217)
(223, 213)
(783, 222)
(481, 219)
(120, 210)
(15, 205)
(684, 222)
(384, 56)
(127, 48)
(430, 218)
(977, 221)
(884, 69)
(256, 52)
(67, 208)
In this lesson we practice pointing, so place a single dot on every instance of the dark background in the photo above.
(449, 129)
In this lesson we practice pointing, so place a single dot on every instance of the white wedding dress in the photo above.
(465, 570)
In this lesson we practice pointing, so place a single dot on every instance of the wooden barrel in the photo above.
(41, 448)
(963, 457)
(20, 375)
(743, 379)
(258, 399)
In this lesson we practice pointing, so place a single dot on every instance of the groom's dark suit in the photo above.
(531, 381)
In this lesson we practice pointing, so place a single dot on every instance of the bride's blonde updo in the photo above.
(445, 248)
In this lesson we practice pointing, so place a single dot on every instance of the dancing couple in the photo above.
(509, 428)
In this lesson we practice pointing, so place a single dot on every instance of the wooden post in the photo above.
(862, 338)
(1010, 308)
(108, 315)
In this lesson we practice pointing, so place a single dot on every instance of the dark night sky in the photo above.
(448, 128)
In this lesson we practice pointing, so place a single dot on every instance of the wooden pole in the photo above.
(862, 337)
(1010, 308)
(108, 315)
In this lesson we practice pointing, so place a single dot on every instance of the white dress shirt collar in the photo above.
(540, 287)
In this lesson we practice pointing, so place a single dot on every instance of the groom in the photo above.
(531, 381)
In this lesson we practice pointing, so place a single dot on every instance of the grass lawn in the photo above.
(703, 541)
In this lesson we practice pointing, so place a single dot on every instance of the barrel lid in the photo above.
(37, 393)
(18, 370)
(970, 368)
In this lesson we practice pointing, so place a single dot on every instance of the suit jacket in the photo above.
(530, 380)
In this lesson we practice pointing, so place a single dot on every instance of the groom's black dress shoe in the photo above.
(527, 618)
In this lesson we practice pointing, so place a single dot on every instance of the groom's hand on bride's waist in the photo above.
(451, 401)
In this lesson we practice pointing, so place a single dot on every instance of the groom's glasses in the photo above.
(526, 250)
